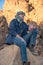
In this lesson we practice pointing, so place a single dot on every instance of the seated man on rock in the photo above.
(19, 35)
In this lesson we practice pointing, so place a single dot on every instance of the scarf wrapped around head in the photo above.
(20, 20)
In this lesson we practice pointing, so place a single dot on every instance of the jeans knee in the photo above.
(23, 44)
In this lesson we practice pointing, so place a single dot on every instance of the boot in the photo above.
(26, 63)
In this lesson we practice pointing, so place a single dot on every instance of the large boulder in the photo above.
(10, 55)
(39, 40)
(3, 30)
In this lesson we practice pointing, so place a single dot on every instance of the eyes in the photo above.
(22, 16)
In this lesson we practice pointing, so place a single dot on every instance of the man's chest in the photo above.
(19, 27)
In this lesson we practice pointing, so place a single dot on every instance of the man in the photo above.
(18, 31)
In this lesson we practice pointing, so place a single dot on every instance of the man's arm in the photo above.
(12, 30)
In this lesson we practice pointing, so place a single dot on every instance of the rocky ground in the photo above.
(8, 56)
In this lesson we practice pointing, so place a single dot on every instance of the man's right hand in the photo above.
(17, 35)
(20, 37)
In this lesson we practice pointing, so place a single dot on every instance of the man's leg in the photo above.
(27, 37)
(32, 44)
(30, 38)
(33, 40)
(22, 44)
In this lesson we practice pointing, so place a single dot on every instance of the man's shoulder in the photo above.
(13, 21)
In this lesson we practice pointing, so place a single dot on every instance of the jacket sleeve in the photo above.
(12, 28)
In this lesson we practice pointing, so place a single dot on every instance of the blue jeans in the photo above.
(30, 38)
(22, 44)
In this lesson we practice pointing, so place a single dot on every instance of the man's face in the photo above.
(22, 16)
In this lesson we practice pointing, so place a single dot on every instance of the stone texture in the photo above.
(12, 6)
(8, 56)
(3, 30)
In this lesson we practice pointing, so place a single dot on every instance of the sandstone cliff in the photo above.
(32, 8)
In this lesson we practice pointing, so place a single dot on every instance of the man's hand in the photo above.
(17, 35)
(31, 27)
(20, 38)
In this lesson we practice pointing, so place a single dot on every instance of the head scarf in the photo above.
(20, 20)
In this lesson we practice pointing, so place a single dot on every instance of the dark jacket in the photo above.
(16, 28)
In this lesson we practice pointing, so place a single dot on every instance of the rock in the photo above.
(30, 7)
(10, 55)
(34, 60)
(35, 14)
(7, 55)
(3, 31)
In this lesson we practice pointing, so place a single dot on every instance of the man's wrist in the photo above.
(17, 35)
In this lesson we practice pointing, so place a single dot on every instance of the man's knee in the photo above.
(23, 44)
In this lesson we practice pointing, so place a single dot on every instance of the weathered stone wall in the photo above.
(32, 8)
(3, 30)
